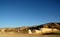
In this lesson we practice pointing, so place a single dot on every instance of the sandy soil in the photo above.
(27, 35)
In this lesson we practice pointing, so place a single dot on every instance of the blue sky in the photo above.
(14, 13)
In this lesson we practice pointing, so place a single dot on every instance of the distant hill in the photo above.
(51, 25)
(47, 25)
(34, 29)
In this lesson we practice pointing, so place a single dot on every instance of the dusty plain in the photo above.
(27, 35)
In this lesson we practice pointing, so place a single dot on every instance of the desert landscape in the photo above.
(29, 18)
(43, 30)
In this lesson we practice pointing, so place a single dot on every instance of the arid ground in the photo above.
(27, 35)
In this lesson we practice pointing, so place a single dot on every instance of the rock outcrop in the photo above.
(45, 28)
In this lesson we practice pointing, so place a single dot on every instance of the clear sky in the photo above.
(14, 13)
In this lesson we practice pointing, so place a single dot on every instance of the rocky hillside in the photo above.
(34, 29)
(54, 25)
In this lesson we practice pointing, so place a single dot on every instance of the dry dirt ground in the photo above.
(26, 35)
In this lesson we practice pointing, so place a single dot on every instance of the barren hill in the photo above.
(47, 25)
(43, 28)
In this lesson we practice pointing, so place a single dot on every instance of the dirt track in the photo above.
(26, 35)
